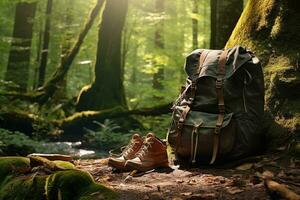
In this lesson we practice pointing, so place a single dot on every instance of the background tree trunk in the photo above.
(45, 49)
(19, 55)
(271, 29)
(159, 43)
(61, 94)
(107, 90)
(224, 16)
(51, 86)
(195, 24)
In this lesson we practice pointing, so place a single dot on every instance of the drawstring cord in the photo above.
(194, 148)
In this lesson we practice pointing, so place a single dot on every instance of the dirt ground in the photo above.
(244, 181)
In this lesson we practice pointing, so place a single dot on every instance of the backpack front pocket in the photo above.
(196, 136)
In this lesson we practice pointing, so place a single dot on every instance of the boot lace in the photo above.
(144, 150)
(129, 149)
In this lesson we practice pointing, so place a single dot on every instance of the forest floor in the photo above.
(249, 180)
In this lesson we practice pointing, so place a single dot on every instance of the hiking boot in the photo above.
(128, 153)
(152, 155)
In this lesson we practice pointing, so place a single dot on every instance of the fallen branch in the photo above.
(74, 126)
(281, 190)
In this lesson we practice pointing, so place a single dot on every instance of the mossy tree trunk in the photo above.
(224, 16)
(272, 30)
(107, 90)
(45, 49)
(19, 55)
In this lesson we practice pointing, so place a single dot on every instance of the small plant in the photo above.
(106, 137)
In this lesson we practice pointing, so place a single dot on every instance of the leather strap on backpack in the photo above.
(193, 84)
(221, 104)
(201, 60)
(190, 100)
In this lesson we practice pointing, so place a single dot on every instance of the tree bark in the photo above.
(45, 49)
(107, 90)
(195, 24)
(19, 55)
(224, 16)
(159, 43)
(271, 30)
(61, 93)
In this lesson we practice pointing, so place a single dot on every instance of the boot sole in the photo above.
(135, 166)
(117, 166)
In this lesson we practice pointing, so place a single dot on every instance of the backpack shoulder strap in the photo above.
(221, 104)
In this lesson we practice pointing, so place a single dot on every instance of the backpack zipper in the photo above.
(244, 89)
(244, 95)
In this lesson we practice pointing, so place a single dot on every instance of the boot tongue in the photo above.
(136, 136)
(150, 135)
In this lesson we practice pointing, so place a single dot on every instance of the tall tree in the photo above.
(19, 55)
(52, 86)
(67, 19)
(159, 44)
(195, 23)
(271, 29)
(46, 40)
(107, 90)
(224, 16)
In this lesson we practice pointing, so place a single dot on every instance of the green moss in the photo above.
(24, 187)
(18, 183)
(74, 184)
(13, 166)
(64, 164)
(96, 191)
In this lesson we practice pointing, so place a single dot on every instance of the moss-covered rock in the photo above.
(19, 182)
(24, 187)
(64, 164)
(63, 183)
(13, 166)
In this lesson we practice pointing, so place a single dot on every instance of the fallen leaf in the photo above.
(235, 191)
(245, 166)
(268, 174)
(192, 182)
(179, 181)
(148, 186)
(186, 193)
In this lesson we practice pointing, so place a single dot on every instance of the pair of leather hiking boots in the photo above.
(141, 154)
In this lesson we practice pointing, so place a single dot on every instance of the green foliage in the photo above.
(106, 137)
(157, 125)
(16, 143)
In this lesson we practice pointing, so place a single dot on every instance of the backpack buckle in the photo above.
(218, 129)
(219, 83)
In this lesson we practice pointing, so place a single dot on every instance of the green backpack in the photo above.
(219, 112)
